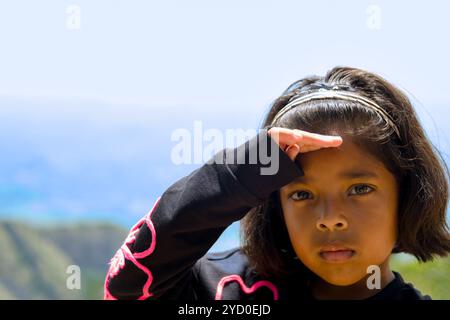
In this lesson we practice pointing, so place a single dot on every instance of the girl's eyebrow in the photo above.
(348, 174)
(355, 174)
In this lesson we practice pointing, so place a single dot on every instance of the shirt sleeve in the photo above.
(159, 253)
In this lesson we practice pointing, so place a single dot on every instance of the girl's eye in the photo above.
(300, 195)
(361, 189)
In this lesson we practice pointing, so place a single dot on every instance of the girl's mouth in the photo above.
(337, 255)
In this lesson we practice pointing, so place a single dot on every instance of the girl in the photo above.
(356, 180)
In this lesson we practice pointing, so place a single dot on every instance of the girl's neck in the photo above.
(323, 290)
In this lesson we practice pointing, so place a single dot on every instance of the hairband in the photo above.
(333, 94)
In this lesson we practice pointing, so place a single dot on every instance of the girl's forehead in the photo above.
(347, 157)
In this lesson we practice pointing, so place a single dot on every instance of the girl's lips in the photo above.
(337, 255)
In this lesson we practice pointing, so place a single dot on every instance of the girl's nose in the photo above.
(331, 225)
(332, 220)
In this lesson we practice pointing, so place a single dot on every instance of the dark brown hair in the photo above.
(419, 168)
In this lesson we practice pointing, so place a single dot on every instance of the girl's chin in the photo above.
(341, 279)
(341, 282)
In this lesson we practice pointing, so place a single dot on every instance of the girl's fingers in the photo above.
(297, 141)
(319, 139)
(284, 136)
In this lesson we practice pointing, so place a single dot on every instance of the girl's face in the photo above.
(341, 216)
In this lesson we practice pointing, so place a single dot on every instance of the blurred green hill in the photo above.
(34, 261)
(432, 278)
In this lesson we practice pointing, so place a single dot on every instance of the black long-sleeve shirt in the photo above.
(165, 254)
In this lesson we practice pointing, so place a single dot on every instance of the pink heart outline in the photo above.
(247, 290)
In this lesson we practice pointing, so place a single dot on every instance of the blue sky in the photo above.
(86, 114)
(213, 53)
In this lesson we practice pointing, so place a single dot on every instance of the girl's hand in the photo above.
(294, 141)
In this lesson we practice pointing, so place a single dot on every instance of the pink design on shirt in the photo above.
(118, 261)
(247, 290)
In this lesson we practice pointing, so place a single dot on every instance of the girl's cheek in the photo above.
(301, 225)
